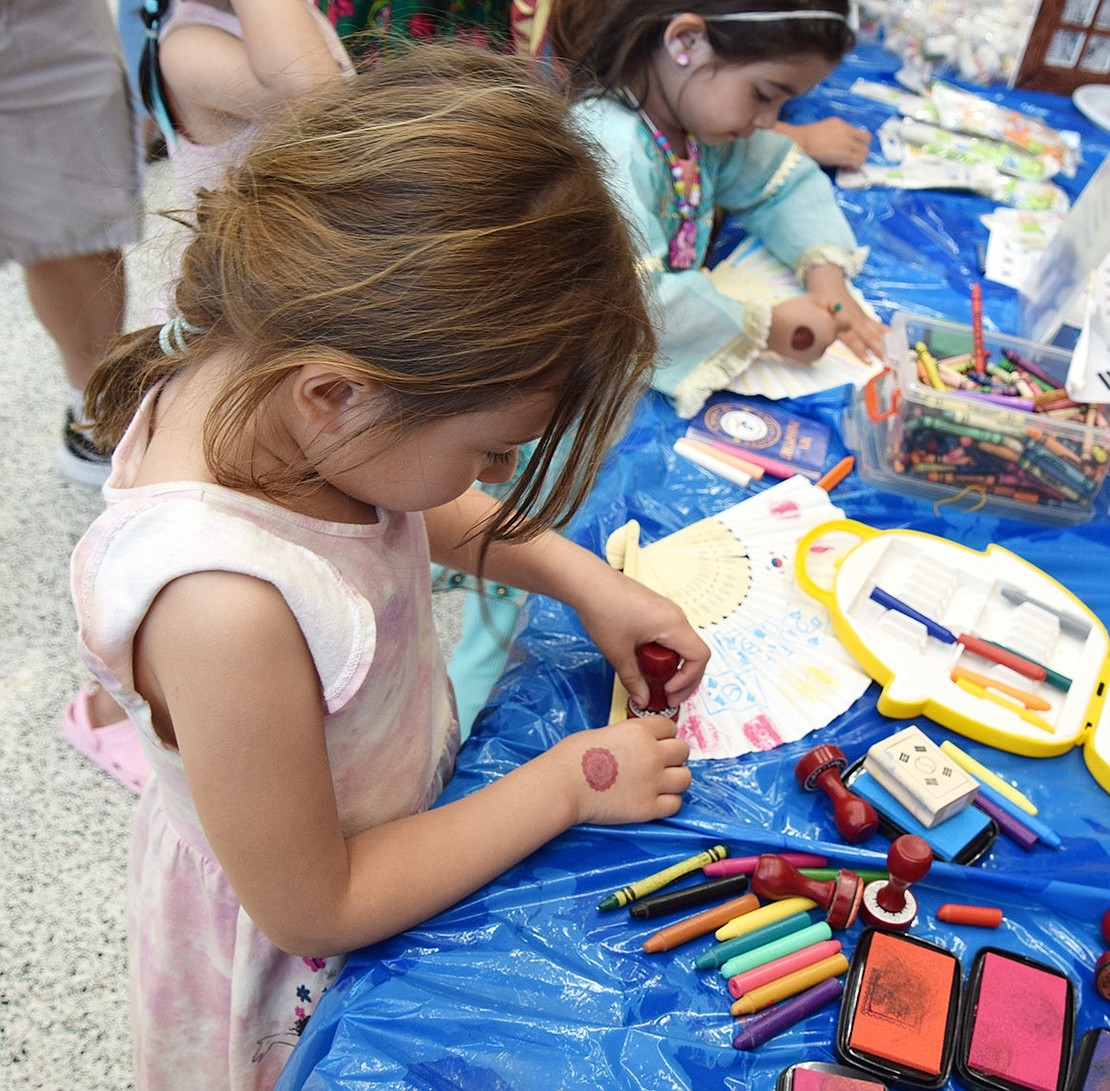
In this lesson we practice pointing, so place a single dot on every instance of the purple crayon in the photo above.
(756, 1030)
(1009, 825)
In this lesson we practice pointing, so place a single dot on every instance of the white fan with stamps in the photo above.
(777, 670)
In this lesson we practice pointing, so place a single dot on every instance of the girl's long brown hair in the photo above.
(437, 226)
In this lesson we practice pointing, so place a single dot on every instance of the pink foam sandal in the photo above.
(114, 747)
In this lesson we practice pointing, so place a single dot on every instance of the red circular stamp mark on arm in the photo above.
(599, 767)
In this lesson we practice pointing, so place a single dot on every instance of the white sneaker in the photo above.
(79, 459)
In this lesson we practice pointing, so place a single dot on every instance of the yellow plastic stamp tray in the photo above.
(901, 600)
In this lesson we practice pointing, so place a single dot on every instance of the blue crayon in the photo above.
(722, 952)
(1044, 833)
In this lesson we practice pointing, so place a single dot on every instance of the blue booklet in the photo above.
(764, 433)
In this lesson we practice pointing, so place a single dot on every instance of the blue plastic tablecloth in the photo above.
(525, 984)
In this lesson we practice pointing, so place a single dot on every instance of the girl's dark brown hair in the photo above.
(605, 45)
(436, 226)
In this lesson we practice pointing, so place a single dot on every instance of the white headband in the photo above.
(774, 16)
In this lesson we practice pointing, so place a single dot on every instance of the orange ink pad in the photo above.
(899, 1013)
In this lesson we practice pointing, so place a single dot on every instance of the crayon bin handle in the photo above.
(860, 531)
(871, 398)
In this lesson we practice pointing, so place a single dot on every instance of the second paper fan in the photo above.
(777, 670)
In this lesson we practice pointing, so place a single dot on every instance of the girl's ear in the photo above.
(325, 395)
(685, 39)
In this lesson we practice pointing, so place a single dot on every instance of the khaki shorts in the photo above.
(70, 167)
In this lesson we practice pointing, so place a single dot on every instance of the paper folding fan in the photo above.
(750, 272)
(777, 671)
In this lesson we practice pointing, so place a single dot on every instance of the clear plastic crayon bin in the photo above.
(994, 433)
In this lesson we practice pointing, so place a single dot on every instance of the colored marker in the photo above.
(775, 1020)
(1048, 836)
(660, 879)
(760, 956)
(780, 967)
(700, 924)
(933, 628)
(838, 473)
(1029, 700)
(790, 985)
(765, 914)
(720, 953)
(981, 773)
(1018, 710)
(1069, 623)
(745, 865)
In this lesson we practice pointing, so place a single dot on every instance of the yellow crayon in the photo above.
(790, 985)
(1019, 710)
(1029, 700)
(765, 914)
(660, 879)
(969, 765)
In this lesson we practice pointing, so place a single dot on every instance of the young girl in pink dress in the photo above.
(396, 288)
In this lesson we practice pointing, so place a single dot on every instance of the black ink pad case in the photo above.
(899, 1012)
(1090, 1071)
(819, 1076)
(1017, 1024)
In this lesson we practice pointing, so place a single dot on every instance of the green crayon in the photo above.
(760, 956)
(660, 879)
(720, 953)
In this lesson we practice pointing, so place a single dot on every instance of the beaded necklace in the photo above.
(687, 199)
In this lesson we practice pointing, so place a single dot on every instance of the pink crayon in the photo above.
(780, 967)
(745, 865)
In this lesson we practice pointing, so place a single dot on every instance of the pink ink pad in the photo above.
(818, 1076)
(1017, 1024)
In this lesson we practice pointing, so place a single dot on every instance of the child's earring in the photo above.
(682, 60)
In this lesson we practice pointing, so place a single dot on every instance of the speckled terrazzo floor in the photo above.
(64, 824)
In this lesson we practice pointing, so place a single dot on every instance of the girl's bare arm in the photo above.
(226, 669)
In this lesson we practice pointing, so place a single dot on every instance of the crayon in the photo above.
(1040, 672)
(981, 773)
(838, 473)
(823, 874)
(671, 901)
(765, 914)
(1029, 700)
(780, 967)
(1016, 830)
(768, 952)
(933, 628)
(785, 987)
(745, 865)
(1017, 709)
(698, 925)
(1069, 623)
(720, 953)
(979, 916)
(660, 879)
(1049, 836)
(757, 1030)
(978, 352)
(708, 461)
